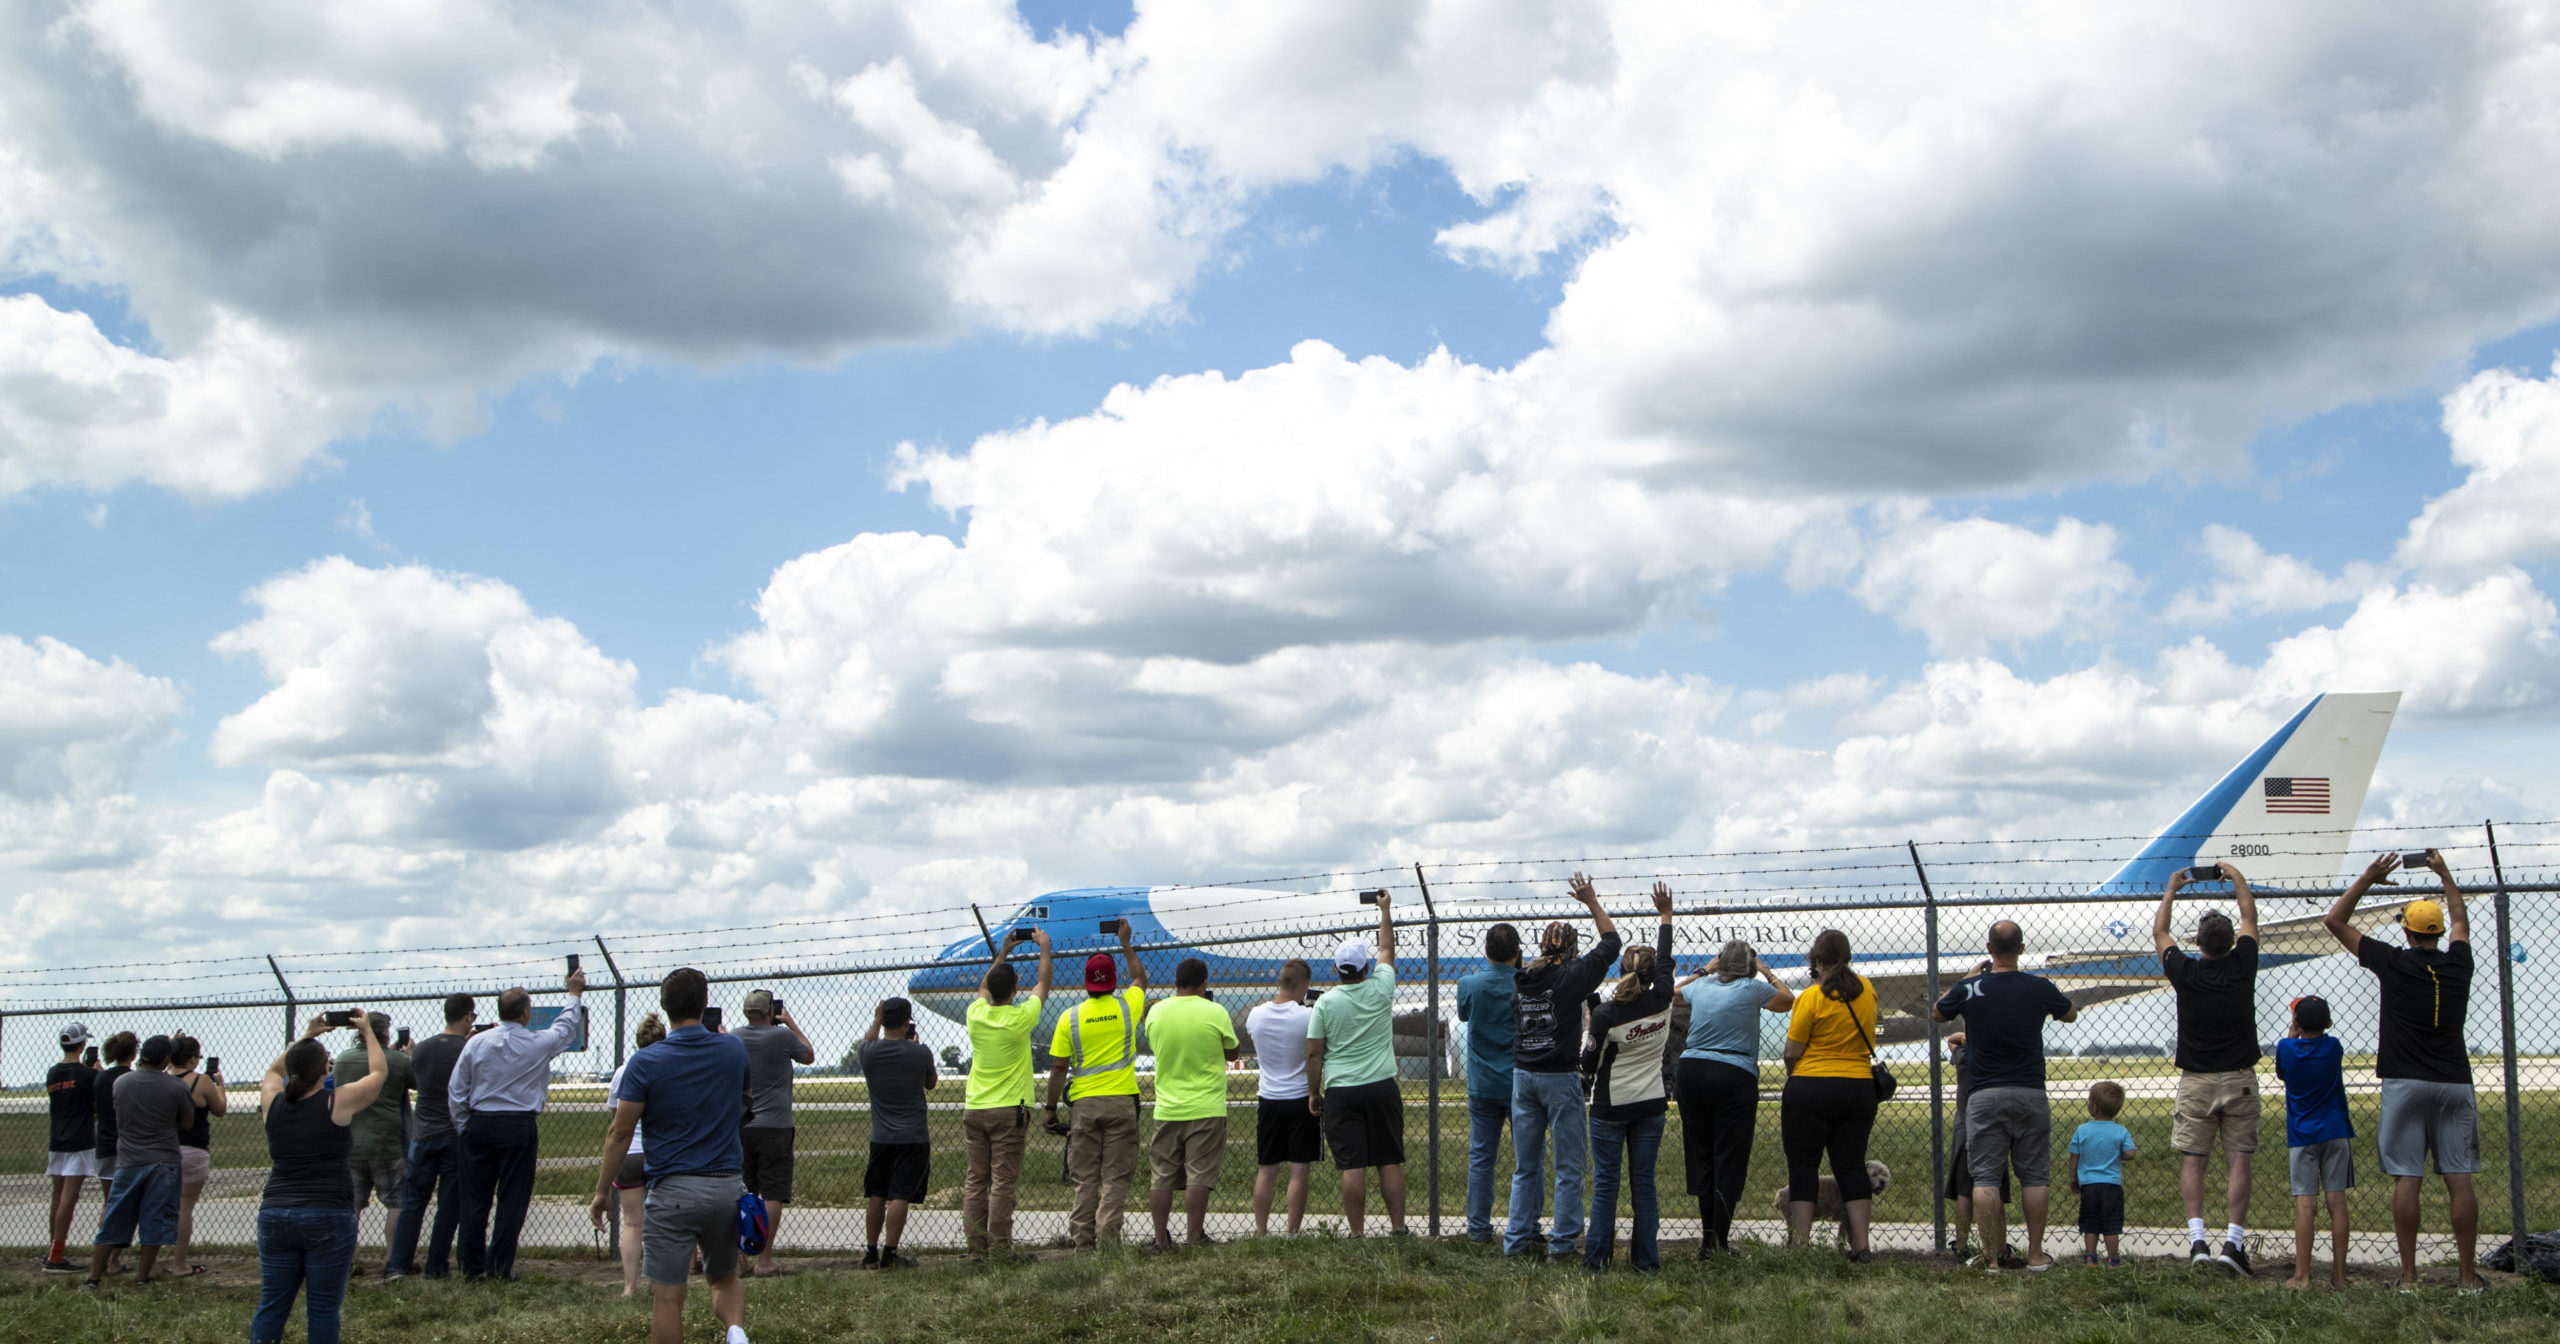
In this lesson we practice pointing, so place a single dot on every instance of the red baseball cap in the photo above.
(1099, 976)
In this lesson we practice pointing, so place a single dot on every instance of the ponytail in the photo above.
(1638, 968)
(1829, 958)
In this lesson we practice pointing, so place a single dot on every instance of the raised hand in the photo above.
(1581, 889)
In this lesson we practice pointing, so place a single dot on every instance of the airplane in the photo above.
(2284, 815)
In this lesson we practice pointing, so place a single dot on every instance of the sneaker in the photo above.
(64, 1267)
(2235, 1258)
(2089, 1258)
(2115, 1262)
(893, 1260)
(2199, 1254)
(871, 1258)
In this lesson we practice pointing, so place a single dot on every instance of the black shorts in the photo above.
(898, 1171)
(1960, 1175)
(1286, 1131)
(1364, 1125)
(633, 1174)
(2102, 1209)
(768, 1168)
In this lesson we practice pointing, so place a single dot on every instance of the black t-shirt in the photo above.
(2217, 1007)
(431, 1063)
(71, 1088)
(1546, 1006)
(2426, 995)
(2004, 1015)
(104, 1096)
(308, 1151)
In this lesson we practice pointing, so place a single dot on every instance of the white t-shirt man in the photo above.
(1279, 1032)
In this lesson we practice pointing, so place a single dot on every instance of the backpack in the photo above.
(755, 1224)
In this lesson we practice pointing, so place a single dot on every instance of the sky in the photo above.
(469, 467)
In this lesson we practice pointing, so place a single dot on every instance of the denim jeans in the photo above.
(1485, 1116)
(435, 1173)
(306, 1251)
(1543, 1104)
(1637, 1143)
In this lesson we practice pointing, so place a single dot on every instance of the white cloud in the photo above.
(72, 726)
(1973, 583)
(2490, 648)
(2506, 429)
(2254, 582)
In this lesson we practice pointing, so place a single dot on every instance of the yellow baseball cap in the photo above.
(2422, 917)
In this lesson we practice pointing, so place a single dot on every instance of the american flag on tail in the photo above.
(2298, 794)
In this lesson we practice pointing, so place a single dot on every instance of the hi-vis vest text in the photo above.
(1093, 1027)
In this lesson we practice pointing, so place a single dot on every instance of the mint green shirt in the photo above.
(1357, 1024)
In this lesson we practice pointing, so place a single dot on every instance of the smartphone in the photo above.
(90, 1056)
(2416, 859)
(339, 1017)
(2209, 872)
(1313, 995)
(711, 1018)
(481, 1027)
(403, 1042)
(1370, 897)
(1024, 931)
(573, 963)
(213, 1066)
(1111, 926)
(777, 1007)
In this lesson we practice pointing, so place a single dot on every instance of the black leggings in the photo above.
(1719, 1109)
(1827, 1115)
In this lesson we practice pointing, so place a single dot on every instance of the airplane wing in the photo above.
(2097, 976)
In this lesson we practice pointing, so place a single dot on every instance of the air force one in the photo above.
(2283, 815)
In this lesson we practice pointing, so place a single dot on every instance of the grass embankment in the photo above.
(1329, 1290)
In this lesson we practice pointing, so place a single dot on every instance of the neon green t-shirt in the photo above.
(1000, 1053)
(1357, 1023)
(1108, 1025)
(1191, 1035)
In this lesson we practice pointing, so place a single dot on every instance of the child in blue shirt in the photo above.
(2318, 1136)
(2099, 1149)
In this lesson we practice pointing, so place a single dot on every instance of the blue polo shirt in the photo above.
(694, 1085)
(1484, 1004)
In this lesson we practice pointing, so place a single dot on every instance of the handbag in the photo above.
(1886, 1083)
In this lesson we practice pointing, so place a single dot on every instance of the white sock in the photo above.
(2195, 1229)
(2236, 1235)
(737, 1334)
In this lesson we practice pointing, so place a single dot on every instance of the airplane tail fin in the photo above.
(2286, 812)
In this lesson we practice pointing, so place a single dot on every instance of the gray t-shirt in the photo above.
(897, 1072)
(771, 1051)
(151, 1107)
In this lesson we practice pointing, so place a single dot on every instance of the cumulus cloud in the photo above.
(1972, 583)
(2253, 582)
(1970, 246)
(2505, 428)
(72, 726)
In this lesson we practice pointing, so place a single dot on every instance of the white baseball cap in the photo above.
(1353, 955)
(75, 1034)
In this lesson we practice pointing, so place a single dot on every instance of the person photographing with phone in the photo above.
(995, 1115)
(501, 1082)
(1351, 1072)
(897, 1070)
(774, 1044)
(1095, 1045)
(2217, 1057)
(307, 1219)
(378, 1142)
(2428, 1106)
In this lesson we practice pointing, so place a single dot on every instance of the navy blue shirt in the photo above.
(2315, 1090)
(2004, 1015)
(694, 1085)
(1484, 1004)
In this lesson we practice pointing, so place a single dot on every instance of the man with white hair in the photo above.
(1351, 1074)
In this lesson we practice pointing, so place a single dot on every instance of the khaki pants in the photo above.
(1102, 1161)
(994, 1139)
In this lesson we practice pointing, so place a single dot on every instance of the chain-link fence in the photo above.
(1915, 915)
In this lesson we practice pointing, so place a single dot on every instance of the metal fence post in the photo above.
(1431, 1030)
(290, 1026)
(621, 1003)
(1937, 1071)
(2507, 1047)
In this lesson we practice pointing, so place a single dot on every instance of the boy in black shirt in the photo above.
(118, 1051)
(70, 1089)
(2424, 1062)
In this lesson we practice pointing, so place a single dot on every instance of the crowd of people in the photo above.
(1582, 1052)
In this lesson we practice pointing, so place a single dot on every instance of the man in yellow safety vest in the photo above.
(1096, 1043)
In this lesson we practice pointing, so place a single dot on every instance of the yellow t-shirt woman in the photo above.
(1835, 1035)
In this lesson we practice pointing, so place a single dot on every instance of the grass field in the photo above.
(833, 1145)
(1330, 1290)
